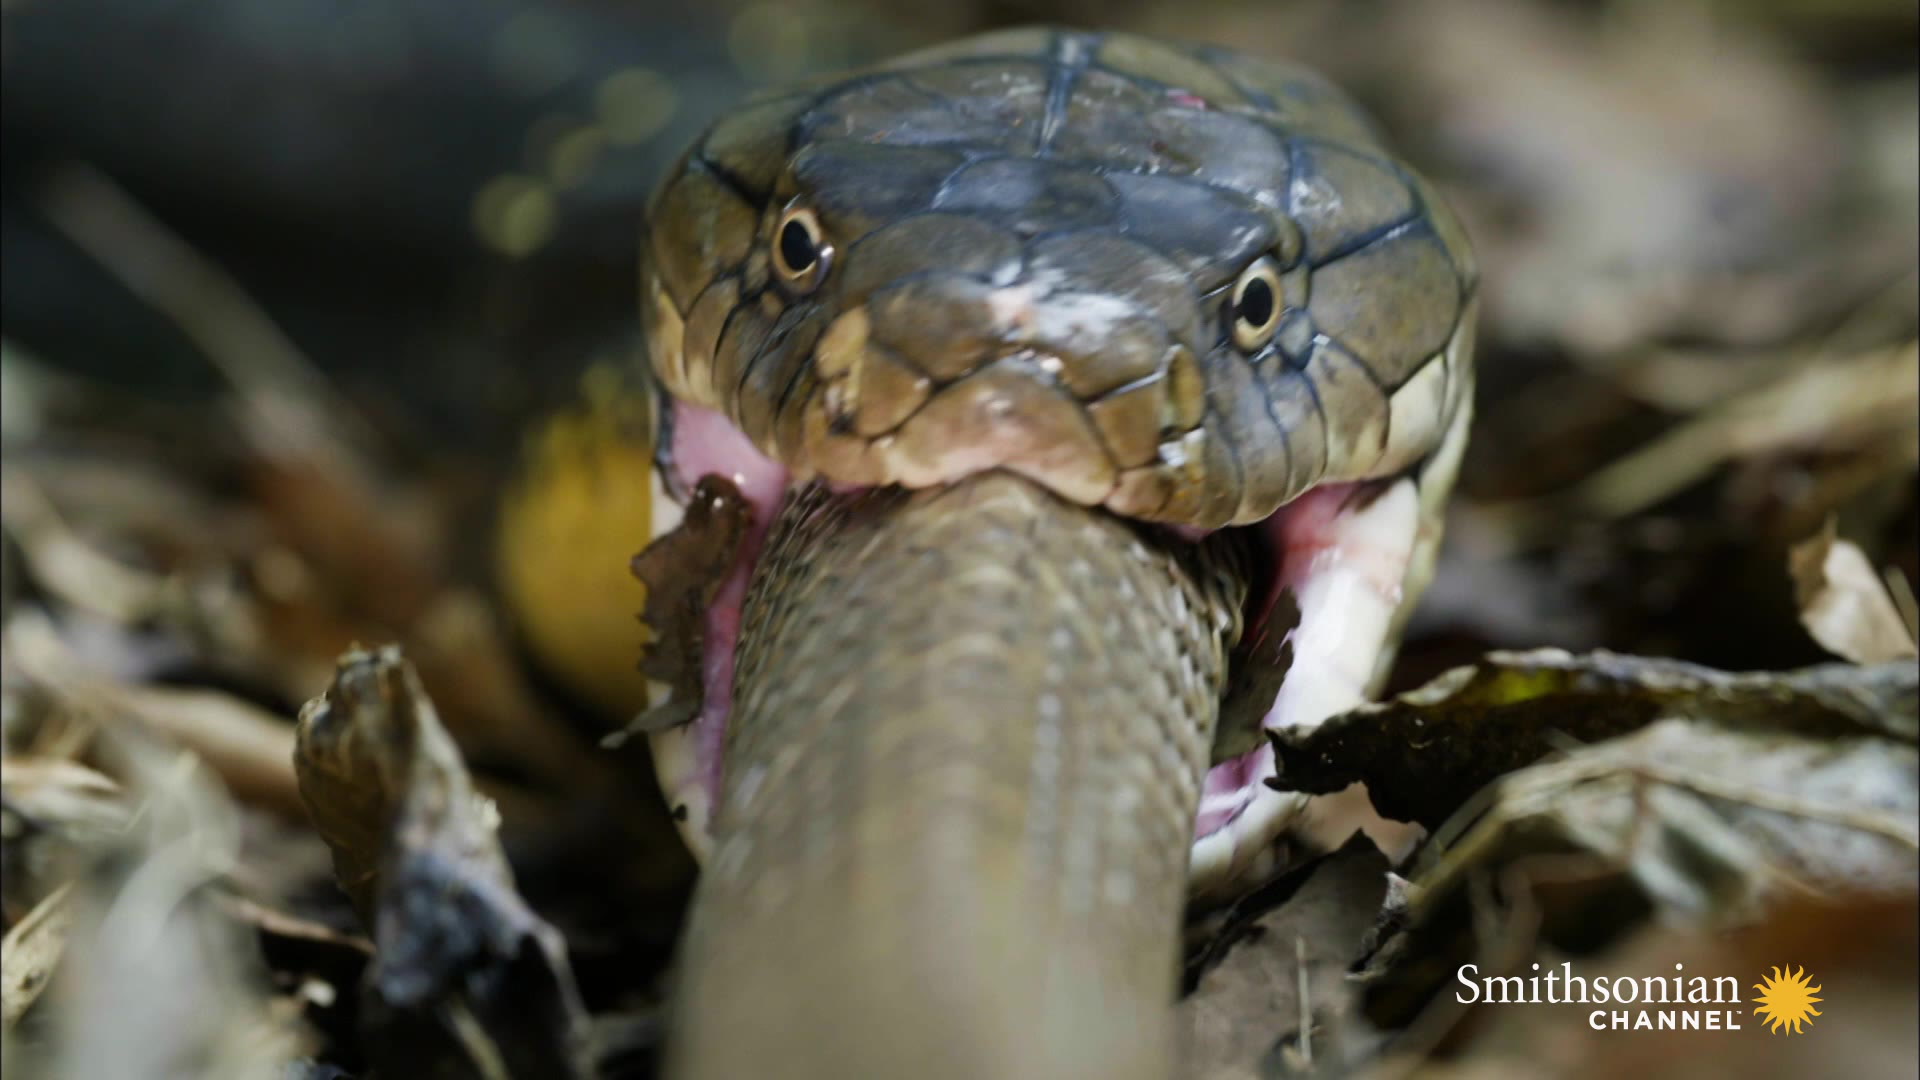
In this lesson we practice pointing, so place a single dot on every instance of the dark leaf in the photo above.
(1274, 990)
(1425, 752)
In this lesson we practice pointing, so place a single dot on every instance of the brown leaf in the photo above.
(467, 980)
(1738, 794)
(58, 815)
(1275, 987)
(1860, 953)
(155, 979)
(29, 953)
(1424, 753)
(249, 748)
(1843, 603)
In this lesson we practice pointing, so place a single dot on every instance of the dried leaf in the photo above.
(1843, 603)
(1861, 953)
(1426, 752)
(65, 564)
(1726, 796)
(1275, 983)
(156, 980)
(28, 955)
(249, 748)
(57, 816)
(467, 980)
(1832, 403)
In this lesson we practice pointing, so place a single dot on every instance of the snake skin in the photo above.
(1036, 233)
(971, 718)
(934, 862)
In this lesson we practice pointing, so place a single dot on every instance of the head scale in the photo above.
(1181, 284)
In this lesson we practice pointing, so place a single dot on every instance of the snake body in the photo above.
(1014, 350)
(949, 865)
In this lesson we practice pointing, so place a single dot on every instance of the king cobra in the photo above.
(1024, 403)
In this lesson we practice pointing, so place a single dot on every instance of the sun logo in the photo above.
(1786, 1000)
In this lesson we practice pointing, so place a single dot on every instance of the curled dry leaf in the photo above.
(57, 815)
(1426, 752)
(28, 955)
(1704, 800)
(466, 980)
(367, 748)
(1710, 822)
(1843, 603)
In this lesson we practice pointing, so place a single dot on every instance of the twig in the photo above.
(1306, 999)
(291, 409)
(249, 748)
(69, 566)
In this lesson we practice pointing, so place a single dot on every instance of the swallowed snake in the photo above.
(1028, 405)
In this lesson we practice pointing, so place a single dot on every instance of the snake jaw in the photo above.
(1059, 309)
(688, 757)
(1344, 552)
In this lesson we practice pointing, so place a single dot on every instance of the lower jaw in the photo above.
(1341, 551)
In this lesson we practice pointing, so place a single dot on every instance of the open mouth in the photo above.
(1339, 553)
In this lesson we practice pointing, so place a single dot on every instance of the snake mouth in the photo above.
(1338, 555)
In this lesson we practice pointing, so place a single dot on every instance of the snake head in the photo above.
(1185, 290)
(1186, 286)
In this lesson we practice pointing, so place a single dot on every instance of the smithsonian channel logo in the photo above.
(1783, 1001)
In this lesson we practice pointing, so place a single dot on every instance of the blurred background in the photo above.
(285, 284)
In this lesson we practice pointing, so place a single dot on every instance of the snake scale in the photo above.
(1024, 402)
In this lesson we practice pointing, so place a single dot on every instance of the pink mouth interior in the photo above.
(1233, 783)
(705, 442)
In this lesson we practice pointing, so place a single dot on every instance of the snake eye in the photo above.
(1254, 306)
(801, 252)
